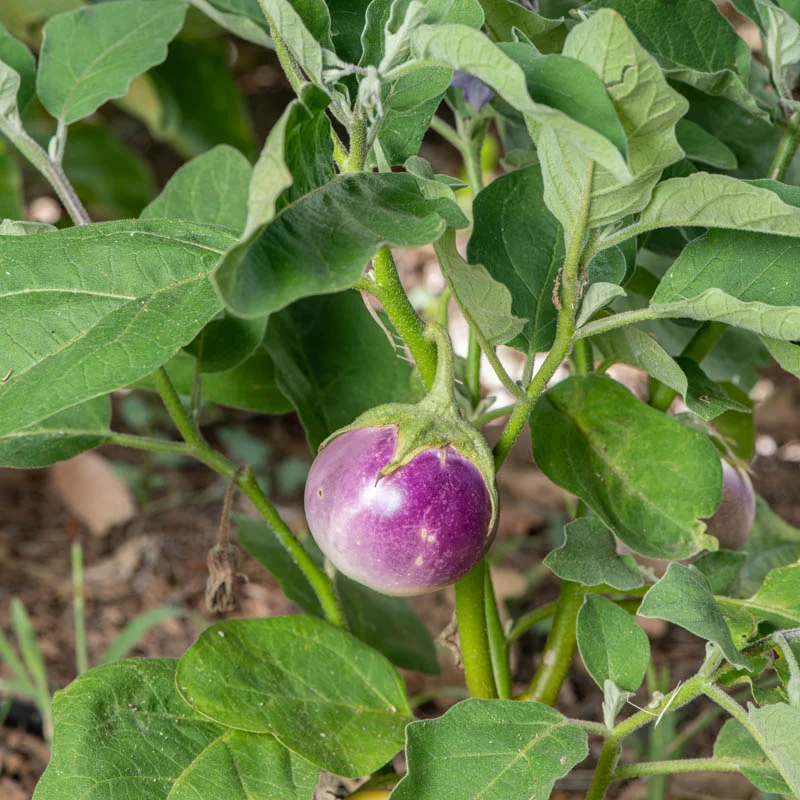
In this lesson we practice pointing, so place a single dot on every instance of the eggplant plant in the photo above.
(647, 213)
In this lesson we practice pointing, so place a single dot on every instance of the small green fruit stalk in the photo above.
(404, 499)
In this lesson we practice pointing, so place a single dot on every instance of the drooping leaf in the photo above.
(347, 220)
(589, 557)
(318, 690)
(786, 354)
(468, 50)
(704, 397)
(192, 100)
(683, 597)
(735, 742)
(90, 55)
(485, 302)
(15, 55)
(503, 16)
(782, 46)
(648, 477)
(112, 180)
(613, 647)
(76, 324)
(779, 728)
(59, 437)
(211, 189)
(648, 109)
(122, 730)
(702, 147)
(694, 43)
(243, 18)
(492, 750)
(521, 244)
(334, 362)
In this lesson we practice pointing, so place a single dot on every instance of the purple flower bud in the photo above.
(476, 93)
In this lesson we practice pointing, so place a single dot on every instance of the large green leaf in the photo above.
(347, 23)
(521, 244)
(78, 323)
(613, 647)
(648, 477)
(492, 750)
(59, 437)
(321, 692)
(484, 301)
(347, 220)
(683, 597)
(589, 556)
(197, 103)
(334, 362)
(778, 727)
(648, 110)
(90, 55)
(734, 742)
(702, 147)
(466, 49)
(211, 189)
(122, 730)
(112, 179)
(694, 44)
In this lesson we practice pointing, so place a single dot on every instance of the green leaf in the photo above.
(464, 48)
(785, 353)
(694, 44)
(683, 597)
(241, 17)
(702, 147)
(11, 196)
(484, 302)
(348, 220)
(59, 437)
(503, 16)
(735, 742)
(782, 46)
(334, 362)
(250, 386)
(305, 27)
(76, 324)
(631, 345)
(597, 297)
(15, 56)
(721, 568)
(347, 23)
(589, 557)
(648, 477)
(777, 601)
(112, 180)
(226, 342)
(779, 728)
(613, 647)
(409, 105)
(648, 109)
(319, 691)
(197, 102)
(738, 427)
(122, 730)
(704, 397)
(772, 543)
(91, 55)
(211, 189)
(521, 245)
(492, 750)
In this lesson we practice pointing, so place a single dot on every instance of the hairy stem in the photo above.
(527, 621)
(787, 148)
(685, 765)
(604, 773)
(202, 451)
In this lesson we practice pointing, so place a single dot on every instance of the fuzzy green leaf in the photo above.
(735, 742)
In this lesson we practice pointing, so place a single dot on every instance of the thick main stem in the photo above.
(604, 773)
(201, 450)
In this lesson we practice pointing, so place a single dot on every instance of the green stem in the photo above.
(358, 146)
(604, 773)
(620, 320)
(584, 360)
(527, 621)
(560, 647)
(449, 134)
(286, 59)
(148, 443)
(787, 148)
(389, 291)
(79, 609)
(492, 413)
(697, 348)
(473, 633)
(685, 765)
(472, 375)
(201, 450)
(498, 644)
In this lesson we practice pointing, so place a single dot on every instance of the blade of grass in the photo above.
(128, 637)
